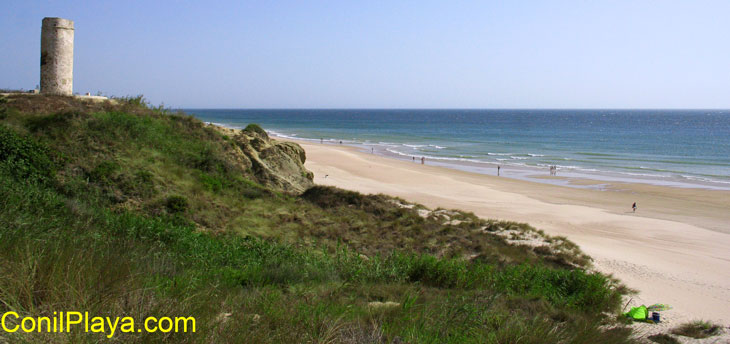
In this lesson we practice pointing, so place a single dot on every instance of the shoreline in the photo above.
(706, 202)
(520, 171)
(673, 250)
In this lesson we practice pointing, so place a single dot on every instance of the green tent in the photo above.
(638, 313)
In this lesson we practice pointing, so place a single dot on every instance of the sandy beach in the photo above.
(673, 250)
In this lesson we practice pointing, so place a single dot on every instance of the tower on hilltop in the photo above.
(57, 56)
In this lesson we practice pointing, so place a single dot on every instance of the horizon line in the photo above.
(437, 109)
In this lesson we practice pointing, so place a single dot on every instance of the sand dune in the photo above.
(675, 249)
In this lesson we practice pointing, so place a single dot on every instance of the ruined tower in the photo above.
(57, 56)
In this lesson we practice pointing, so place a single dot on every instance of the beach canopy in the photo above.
(638, 313)
(658, 307)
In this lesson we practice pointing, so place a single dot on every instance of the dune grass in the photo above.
(697, 329)
(126, 211)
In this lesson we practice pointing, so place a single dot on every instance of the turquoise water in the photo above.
(687, 148)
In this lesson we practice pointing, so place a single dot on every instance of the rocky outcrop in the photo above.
(276, 164)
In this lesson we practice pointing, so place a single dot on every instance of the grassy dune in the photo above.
(123, 210)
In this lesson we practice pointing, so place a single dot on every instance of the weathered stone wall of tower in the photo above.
(57, 56)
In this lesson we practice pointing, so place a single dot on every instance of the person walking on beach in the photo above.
(498, 167)
(423, 160)
(321, 140)
(634, 207)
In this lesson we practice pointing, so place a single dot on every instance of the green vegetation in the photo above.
(256, 129)
(122, 210)
(697, 329)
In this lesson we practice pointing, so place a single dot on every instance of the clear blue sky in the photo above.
(386, 54)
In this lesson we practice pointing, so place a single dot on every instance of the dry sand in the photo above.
(675, 249)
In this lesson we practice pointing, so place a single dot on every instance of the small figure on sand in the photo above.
(372, 150)
(634, 207)
(340, 142)
(414, 158)
(423, 160)
(498, 167)
(321, 140)
(553, 170)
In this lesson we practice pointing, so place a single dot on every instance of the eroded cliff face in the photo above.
(276, 164)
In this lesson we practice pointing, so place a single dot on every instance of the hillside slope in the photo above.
(121, 210)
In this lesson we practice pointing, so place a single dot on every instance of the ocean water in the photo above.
(684, 148)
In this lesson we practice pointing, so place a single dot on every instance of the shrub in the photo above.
(139, 184)
(255, 128)
(104, 172)
(212, 183)
(136, 101)
(24, 158)
(331, 197)
(176, 204)
(697, 329)
(210, 160)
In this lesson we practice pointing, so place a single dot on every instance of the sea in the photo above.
(681, 148)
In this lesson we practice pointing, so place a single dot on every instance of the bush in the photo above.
(255, 128)
(574, 288)
(331, 197)
(24, 158)
(104, 172)
(697, 329)
(176, 204)
(212, 183)
(140, 184)
(136, 101)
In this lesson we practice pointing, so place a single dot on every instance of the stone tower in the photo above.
(57, 56)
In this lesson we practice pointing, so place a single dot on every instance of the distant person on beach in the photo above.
(634, 207)
(340, 142)
(414, 158)
(321, 140)
(498, 167)
(372, 150)
(423, 160)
